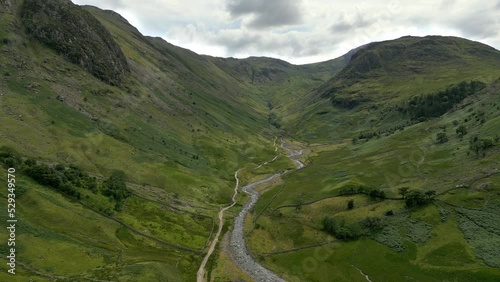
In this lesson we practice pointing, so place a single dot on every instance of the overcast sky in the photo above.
(303, 31)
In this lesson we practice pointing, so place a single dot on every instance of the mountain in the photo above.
(85, 92)
(125, 149)
(390, 73)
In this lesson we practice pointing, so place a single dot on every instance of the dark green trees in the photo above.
(115, 187)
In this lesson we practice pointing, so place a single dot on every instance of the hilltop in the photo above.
(383, 75)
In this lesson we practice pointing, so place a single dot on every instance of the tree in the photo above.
(415, 198)
(350, 204)
(377, 193)
(478, 145)
(403, 190)
(441, 138)
(341, 230)
(115, 186)
(430, 194)
(461, 131)
(372, 223)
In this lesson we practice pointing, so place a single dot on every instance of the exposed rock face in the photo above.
(6, 6)
(77, 35)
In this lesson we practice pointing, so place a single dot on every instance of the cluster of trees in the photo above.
(67, 180)
(416, 198)
(64, 180)
(434, 105)
(480, 145)
(341, 230)
(372, 192)
(350, 231)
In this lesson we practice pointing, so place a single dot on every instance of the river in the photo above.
(238, 247)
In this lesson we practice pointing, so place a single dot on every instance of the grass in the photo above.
(181, 124)
(161, 222)
(430, 244)
(48, 241)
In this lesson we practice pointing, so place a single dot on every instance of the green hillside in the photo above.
(364, 96)
(125, 149)
(172, 122)
(402, 166)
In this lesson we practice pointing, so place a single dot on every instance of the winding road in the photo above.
(238, 248)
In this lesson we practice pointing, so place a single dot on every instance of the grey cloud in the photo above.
(447, 4)
(236, 43)
(283, 45)
(479, 27)
(267, 13)
(109, 4)
(342, 25)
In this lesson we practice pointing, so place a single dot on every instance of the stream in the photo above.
(237, 246)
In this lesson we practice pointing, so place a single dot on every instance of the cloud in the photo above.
(303, 31)
(479, 25)
(346, 24)
(109, 4)
(264, 13)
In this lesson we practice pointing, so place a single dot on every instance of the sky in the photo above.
(303, 31)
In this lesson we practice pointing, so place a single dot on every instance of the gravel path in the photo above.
(238, 247)
(200, 276)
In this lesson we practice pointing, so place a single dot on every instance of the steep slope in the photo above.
(137, 140)
(169, 123)
(390, 73)
(77, 35)
(408, 206)
(281, 85)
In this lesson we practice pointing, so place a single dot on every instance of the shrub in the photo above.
(350, 204)
(341, 230)
(415, 198)
(441, 138)
(461, 131)
(377, 193)
(478, 145)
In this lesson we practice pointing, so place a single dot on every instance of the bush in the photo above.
(461, 131)
(441, 138)
(341, 230)
(377, 193)
(115, 188)
(415, 198)
(350, 204)
(478, 145)
(372, 223)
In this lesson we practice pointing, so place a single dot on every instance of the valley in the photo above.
(137, 160)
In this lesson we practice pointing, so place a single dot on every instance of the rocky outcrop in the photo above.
(6, 6)
(77, 35)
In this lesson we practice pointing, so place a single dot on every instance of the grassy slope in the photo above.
(384, 74)
(174, 105)
(281, 85)
(442, 241)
